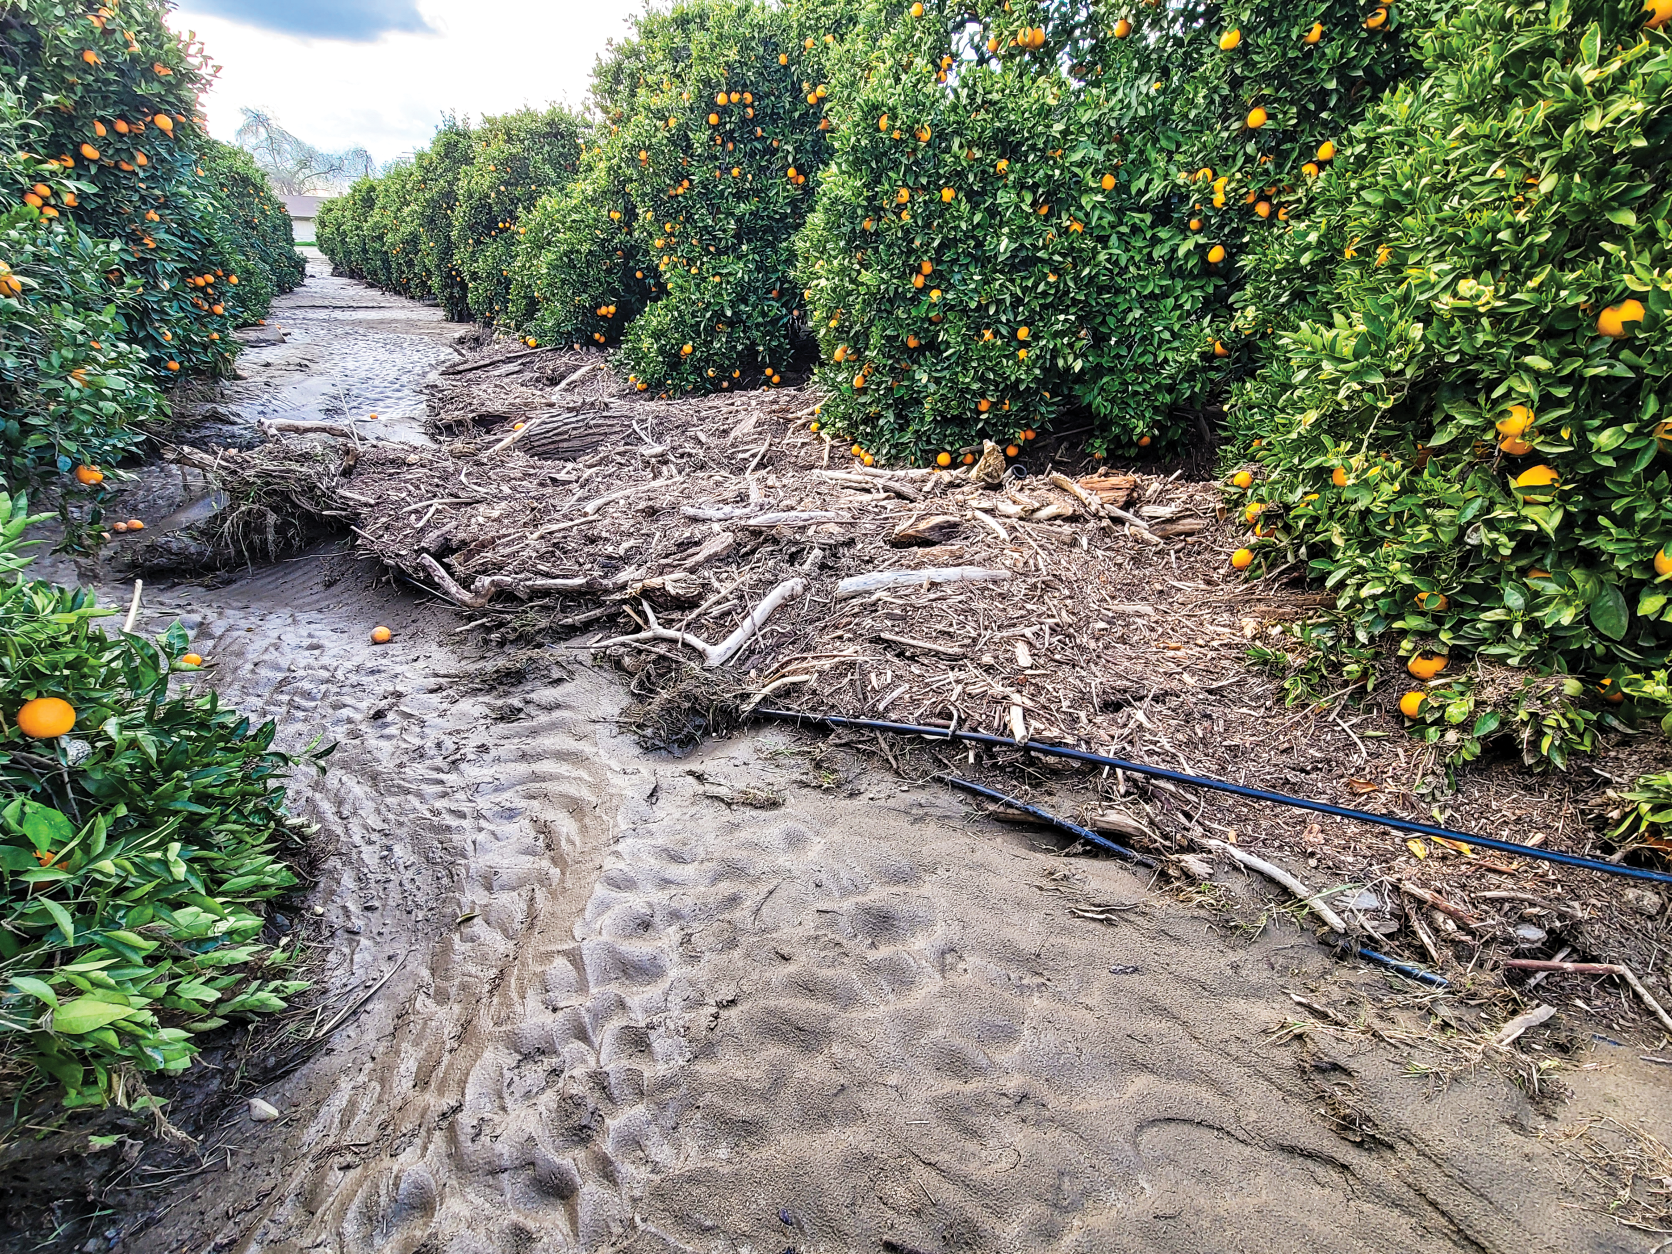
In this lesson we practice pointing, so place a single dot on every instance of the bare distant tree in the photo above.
(294, 166)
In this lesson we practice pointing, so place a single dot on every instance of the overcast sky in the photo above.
(380, 73)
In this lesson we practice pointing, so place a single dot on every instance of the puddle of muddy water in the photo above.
(746, 1001)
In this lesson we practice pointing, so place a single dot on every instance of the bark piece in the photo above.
(936, 529)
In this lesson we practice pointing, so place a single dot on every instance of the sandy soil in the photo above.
(765, 998)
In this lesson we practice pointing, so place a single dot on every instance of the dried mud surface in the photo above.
(771, 996)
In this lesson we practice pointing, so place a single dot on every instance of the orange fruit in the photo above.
(1612, 320)
(1216, 254)
(1540, 476)
(1432, 600)
(45, 718)
(382, 635)
(88, 475)
(1427, 665)
(1230, 39)
(1108, 182)
(1339, 477)
(1256, 118)
(1143, 441)
(1022, 333)
(1242, 559)
(1514, 446)
(191, 659)
(1663, 563)
(1410, 705)
(1219, 349)
(1611, 692)
(1243, 479)
(135, 525)
(1010, 450)
(1376, 20)
(943, 459)
(1314, 35)
(1252, 511)
(1516, 421)
(1659, 11)
(1326, 151)
(917, 10)
(118, 527)
(1263, 208)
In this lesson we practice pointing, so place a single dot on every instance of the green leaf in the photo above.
(86, 1014)
(1608, 612)
(38, 989)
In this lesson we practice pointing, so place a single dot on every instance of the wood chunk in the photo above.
(1111, 489)
(1183, 527)
(936, 529)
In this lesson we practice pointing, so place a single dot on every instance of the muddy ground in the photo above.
(769, 997)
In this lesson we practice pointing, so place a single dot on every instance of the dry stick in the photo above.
(859, 585)
(296, 426)
(483, 590)
(467, 367)
(1094, 505)
(133, 607)
(1594, 968)
(993, 523)
(1414, 917)
(795, 518)
(1522, 1023)
(1273, 871)
(786, 682)
(713, 654)
(1445, 907)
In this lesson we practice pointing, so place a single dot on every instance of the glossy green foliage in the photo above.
(136, 850)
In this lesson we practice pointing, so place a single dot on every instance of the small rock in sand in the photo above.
(262, 1112)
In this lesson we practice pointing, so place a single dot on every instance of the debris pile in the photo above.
(724, 552)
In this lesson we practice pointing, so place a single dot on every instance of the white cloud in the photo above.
(389, 94)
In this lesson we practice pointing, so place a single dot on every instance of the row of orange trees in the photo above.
(131, 244)
(1411, 256)
(141, 829)
(664, 223)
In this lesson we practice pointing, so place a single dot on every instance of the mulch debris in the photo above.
(724, 555)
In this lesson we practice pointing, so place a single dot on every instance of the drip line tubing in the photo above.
(1220, 785)
(1404, 968)
(1051, 820)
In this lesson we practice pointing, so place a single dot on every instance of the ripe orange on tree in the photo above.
(45, 718)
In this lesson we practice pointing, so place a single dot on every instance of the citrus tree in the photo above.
(515, 160)
(1083, 180)
(1462, 432)
(711, 124)
(114, 95)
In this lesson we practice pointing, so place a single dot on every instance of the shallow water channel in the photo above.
(612, 1002)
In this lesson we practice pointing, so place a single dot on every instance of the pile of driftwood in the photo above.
(722, 553)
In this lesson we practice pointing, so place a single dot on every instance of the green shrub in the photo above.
(1483, 220)
(517, 158)
(1050, 157)
(254, 218)
(715, 192)
(135, 850)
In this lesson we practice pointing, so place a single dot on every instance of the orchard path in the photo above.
(615, 1007)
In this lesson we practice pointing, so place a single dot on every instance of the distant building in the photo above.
(303, 210)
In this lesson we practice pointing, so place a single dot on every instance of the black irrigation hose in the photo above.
(1220, 785)
(1404, 968)
(1051, 820)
